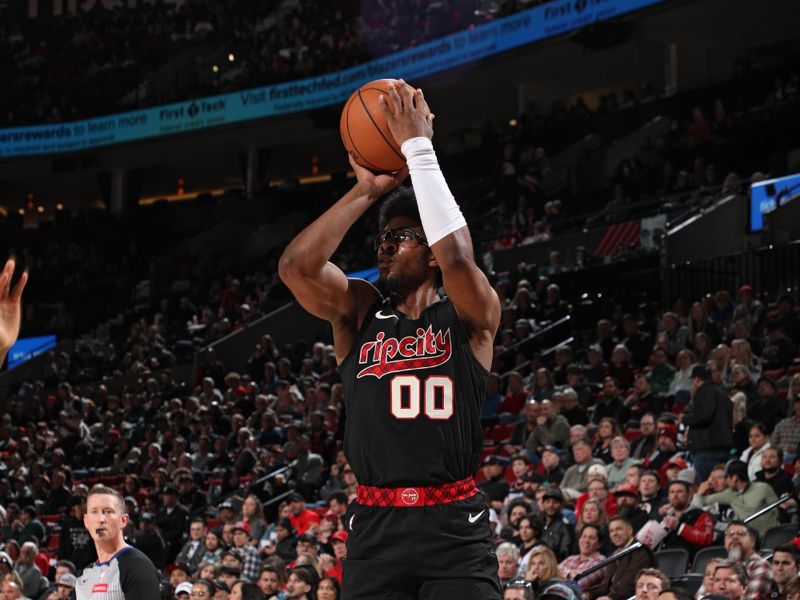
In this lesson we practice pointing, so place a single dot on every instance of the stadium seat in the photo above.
(54, 541)
(777, 536)
(502, 433)
(632, 434)
(488, 451)
(673, 562)
(690, 582)
(706, 554)
(774, 374)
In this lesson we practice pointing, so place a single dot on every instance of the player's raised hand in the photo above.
(10, 305)
(407, 113)
(377, 184)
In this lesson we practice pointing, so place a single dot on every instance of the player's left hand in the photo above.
(10, 303)
(407, 113)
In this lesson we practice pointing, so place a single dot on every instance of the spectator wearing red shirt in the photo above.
(598, 490)
(338, 540)
(301, 517)
(515, 396)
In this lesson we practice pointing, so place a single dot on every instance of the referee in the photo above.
(121, 572)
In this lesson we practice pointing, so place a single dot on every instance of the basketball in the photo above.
(364, 130)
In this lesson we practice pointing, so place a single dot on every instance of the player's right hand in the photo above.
(376, 185)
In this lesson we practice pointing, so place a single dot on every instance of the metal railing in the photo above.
(519, 344)
(637, 545)
(767, 269)
(523, 368)
(250, 485)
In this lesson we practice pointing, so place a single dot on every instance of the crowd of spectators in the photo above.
(102, 61)
(671, 430)
(582, 454)
(710, 151)
(237, 477)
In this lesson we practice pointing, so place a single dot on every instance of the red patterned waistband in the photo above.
(416, 496)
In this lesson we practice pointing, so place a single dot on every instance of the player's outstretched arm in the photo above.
(318, 285)
(411, 123)
(10, 307)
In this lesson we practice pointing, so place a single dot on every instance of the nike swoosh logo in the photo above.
(351, 522)
(382, 316)
(473, 518)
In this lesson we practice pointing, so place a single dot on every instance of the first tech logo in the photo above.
(199, 108)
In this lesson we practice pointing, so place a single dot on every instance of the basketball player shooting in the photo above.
(414, 368)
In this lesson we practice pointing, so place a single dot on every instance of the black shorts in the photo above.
(437, 552)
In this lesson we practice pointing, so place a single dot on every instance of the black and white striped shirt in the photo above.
(128, 575)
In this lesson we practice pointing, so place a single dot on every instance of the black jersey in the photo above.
(413, 395)
(129, 575)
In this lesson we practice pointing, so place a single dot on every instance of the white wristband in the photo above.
(437, 207)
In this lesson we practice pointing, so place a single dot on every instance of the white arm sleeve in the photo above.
(437, 207)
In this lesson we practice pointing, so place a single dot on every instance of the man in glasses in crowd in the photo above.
(414, 365)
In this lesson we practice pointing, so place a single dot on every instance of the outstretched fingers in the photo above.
(406, 94)
(420, 102)
(16, 295)
(5, 277)
(391, 102)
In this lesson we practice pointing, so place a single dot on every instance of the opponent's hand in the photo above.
(10, 305)
(407, 113)
(376, 185)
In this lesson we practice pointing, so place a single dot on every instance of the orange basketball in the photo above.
(364, 131)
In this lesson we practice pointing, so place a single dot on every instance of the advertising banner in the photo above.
(451, 51)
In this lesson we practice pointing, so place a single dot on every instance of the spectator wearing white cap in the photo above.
(65, 586)
(183, 590)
